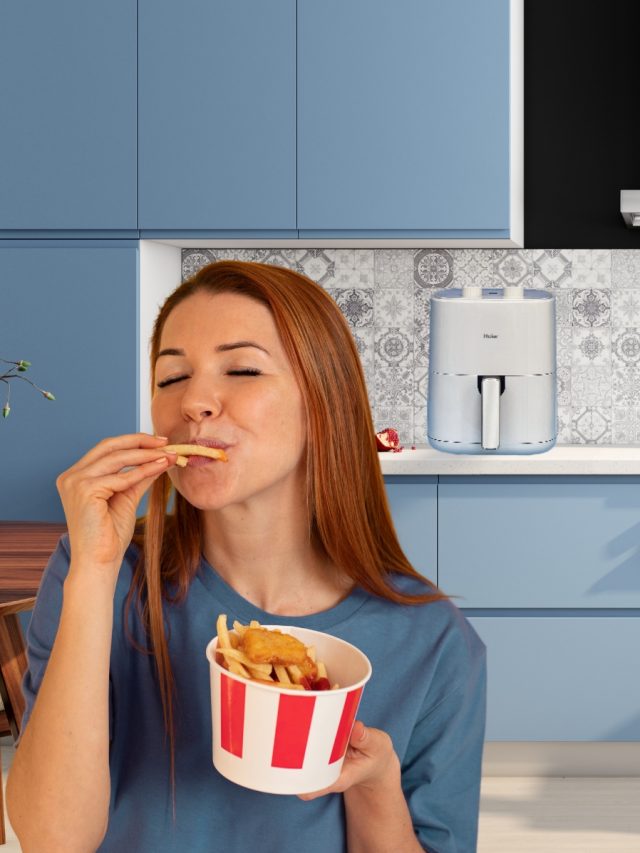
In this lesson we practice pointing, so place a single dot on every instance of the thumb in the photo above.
(359, 735)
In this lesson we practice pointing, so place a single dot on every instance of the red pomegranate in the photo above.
(387, 439)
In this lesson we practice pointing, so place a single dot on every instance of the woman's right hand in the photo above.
(100, 500)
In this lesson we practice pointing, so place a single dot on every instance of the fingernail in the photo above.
(161, 459)
(163, 437)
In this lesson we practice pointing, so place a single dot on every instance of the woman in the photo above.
(115, 752)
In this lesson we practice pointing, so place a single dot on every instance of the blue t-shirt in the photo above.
(427, 691)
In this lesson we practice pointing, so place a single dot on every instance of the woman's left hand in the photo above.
(370, 762)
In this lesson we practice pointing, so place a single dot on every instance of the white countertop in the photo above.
(560, 460)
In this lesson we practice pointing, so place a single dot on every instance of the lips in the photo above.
(199, 461)
(209, 442)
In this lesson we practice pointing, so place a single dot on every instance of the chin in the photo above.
(203, 497)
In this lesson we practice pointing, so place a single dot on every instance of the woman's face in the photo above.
(234, 385)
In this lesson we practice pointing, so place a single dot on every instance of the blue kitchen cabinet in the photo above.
(540, 542)
(68, 106)
(217, 113)
(547, 571)
(341, 119)
(403, 118)
(562, 678)
(72, 311)
(413, 504)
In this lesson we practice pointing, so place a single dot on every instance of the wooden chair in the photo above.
(14, 665)
(5, 729)
(25, 548)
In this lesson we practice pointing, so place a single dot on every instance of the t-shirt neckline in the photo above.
(243, 610)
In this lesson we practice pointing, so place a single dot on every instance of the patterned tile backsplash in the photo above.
(385, 296)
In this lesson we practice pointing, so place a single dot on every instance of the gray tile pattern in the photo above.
(385, 295)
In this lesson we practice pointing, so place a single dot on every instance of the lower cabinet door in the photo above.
(569, 678)
(414, 506)
(547, 542)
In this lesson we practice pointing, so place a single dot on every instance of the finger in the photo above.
(128, 441)
(106, 486)
(123, 460)
(137, 490)
(348, 777)
(316, 794)
(118, 462)
(358, 734)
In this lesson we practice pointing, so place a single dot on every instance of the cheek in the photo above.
(284, 414)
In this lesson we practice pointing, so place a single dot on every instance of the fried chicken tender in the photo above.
(270, 646)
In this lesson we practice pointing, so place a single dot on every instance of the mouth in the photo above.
(209, 442)
(199, 461)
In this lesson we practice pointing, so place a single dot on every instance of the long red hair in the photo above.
(346, 498)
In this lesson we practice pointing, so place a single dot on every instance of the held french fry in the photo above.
(185, 450)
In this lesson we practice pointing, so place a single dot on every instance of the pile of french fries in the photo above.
(284, 676)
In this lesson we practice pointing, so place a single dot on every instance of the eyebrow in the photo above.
(220, 348)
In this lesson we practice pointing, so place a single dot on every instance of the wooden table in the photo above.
(25, 548)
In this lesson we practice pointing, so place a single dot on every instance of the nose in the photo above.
(201, 400)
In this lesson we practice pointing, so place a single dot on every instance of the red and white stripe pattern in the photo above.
(280, 742)
(295, 721)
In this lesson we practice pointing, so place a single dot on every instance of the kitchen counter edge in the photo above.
(564, 460)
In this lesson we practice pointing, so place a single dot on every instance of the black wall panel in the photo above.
(582, 121)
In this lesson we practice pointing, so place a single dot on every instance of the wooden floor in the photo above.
(529, 814)
(559, 815)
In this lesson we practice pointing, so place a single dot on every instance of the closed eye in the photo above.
(249, 371)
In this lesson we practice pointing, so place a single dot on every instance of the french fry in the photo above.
(260, 670)
(296, 673)
(237, 669)
(286, 676)
(223, 634)
(278, 684)
(185, 450)
(281, 673)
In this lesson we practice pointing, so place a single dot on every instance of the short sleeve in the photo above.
(43, 626)
(442, 768)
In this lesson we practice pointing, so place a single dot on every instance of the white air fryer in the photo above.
(492, 371)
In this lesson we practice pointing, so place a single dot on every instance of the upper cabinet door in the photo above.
(217, 101)
(68, 113)
(403, 118)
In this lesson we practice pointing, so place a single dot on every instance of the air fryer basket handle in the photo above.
(490, 390)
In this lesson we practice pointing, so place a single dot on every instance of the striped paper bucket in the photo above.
(286, 741)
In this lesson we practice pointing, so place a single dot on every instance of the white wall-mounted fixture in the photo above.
(630, 207)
